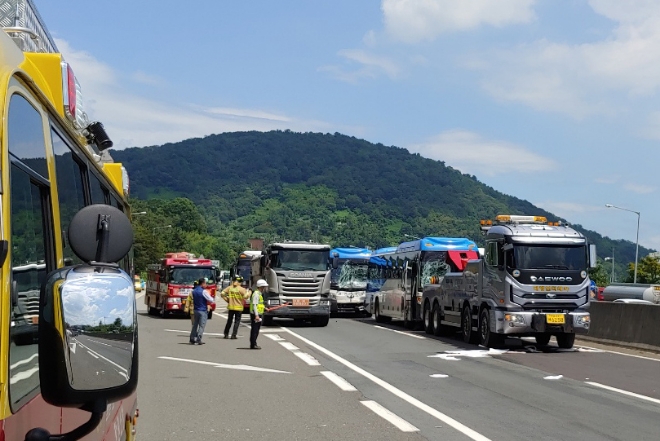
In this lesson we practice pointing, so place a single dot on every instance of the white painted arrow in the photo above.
(240, 367)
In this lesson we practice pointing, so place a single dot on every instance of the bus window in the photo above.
(26, 135)
(30, 263)
(99, 193)
(115, 203)
(70, 188)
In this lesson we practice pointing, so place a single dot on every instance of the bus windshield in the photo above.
(433, 266)
(349, 274)
(549, 257)
(300, 260)
(188, 275)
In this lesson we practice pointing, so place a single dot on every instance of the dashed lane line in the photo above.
(339, 381)
(274, 337)
(623, 392)
(307, 358)
(394, 419)
(289, 346)
(472, 434)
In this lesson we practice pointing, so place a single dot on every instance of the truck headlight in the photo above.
(514, 318)
(583, 320)
(174, 300)
(325, 302)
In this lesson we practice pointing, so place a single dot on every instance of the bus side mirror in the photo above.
(592, 256)
(335, 262)
(83, 310)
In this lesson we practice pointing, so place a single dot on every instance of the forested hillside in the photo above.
(311, 186)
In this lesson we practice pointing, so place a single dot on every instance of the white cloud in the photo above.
(470, 153)
(413, 21)
(583, 79)
(369, 66)
(639, 188)
(132, 120)
(568, 209)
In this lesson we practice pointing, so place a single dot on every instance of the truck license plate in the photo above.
(555, 319)
(300, 302)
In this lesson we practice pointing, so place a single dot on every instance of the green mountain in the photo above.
(325, 187)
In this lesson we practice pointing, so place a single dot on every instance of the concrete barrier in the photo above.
(634, 324)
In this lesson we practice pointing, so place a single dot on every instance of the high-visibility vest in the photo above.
(260, 305)
(235, 297)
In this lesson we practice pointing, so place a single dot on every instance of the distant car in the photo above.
(636, 301)
(138, 286)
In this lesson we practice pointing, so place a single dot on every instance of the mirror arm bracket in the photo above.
(103, 229)
(97, 409)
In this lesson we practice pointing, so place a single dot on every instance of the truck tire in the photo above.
(466, 327)
(322, 321)
(152, 311)
(428, 320)
(379, 318)
(436, 320)
(486, 337)
(542, 339)
(268, 321)
(162, 312)
(566, 340)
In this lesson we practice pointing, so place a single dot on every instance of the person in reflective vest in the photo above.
(257, 309)
(235, 296)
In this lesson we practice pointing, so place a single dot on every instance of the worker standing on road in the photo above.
(201, 299)
(257, 311)
(234, 295)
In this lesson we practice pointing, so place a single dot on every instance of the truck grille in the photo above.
(544, 296)
(300, 287)
(552, 307)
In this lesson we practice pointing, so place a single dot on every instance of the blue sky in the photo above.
(553, 102)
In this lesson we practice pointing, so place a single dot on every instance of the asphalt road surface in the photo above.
(358, 380)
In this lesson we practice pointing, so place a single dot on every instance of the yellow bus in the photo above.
(53, 163)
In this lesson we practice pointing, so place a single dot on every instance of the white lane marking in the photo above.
(339, 381)
(271, 330)
(624, 392)
(104, 358)
(24, 361)
(98, 342)
(95, 356)
(553, 377)
(72, 347)
(289, 346)
(472, 434)
(188, 332)
(241, 367)
(474, 353)
(23, 375)
(439, 376)
(307, 358)
(396, 420)
(622, 353)
(401, 332)
(274, 337)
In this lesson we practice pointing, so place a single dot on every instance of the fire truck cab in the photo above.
(170, 281)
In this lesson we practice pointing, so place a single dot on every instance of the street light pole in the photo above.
(410, 236)
(637, 243)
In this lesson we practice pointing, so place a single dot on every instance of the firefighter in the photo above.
(234, 295)
(257, 311)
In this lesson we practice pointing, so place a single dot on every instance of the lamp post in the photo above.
(140, 213)
(160, 228)
(410, 236)
(637, 244)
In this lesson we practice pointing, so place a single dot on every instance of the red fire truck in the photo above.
(171, 280)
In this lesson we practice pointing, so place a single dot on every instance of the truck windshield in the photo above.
(245, 271)
(349, 274)
(433, 265)
(186, 276)
(548, 257)
(300, 260)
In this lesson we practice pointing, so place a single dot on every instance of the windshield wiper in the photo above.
(556, 266)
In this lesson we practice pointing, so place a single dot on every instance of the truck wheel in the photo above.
(565, 341)
(542, 339)
(486, 337)
(428, 320)
(379, 318)
(268, 321)
(152, 311)
(466, 327)
(163, 312)
(436, 320)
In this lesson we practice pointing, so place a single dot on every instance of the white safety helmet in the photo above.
(261, 283)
